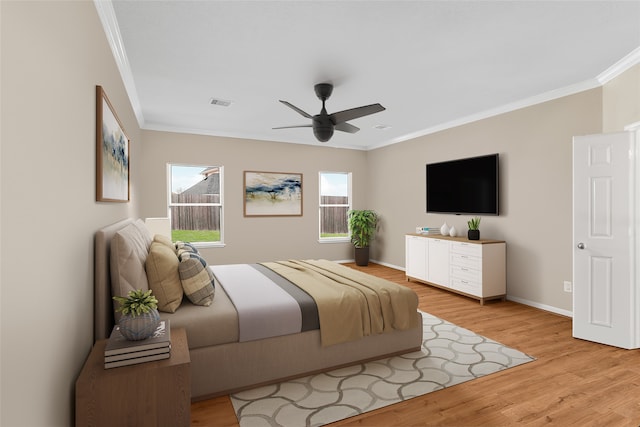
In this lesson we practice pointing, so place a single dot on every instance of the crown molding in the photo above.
(620, 67)
(107, 16)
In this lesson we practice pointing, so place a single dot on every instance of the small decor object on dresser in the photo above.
(444, 230)
(474, 229)
(453, 231)
(140, 315)
(120, 351)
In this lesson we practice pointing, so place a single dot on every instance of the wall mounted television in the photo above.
(464, 186)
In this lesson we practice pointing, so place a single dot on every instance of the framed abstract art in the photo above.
(272, 194)
(112, 153)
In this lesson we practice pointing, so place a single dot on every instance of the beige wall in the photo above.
(254, 239)
(53, 56)
(621, 98)
(535, 195)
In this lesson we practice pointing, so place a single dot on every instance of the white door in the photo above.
(604, 291)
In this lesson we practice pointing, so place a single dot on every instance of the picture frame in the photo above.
(268, 194)
(112, 153)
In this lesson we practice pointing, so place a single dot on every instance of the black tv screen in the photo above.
(464, 186)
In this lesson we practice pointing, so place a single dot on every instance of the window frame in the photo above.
(349, 206)
(170, 204)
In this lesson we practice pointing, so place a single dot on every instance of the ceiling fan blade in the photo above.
(293, 107)
(296, 126)
(354, 113)
(346, 127)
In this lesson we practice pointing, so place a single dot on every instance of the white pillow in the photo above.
(129, 249)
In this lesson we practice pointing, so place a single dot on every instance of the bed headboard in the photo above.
(103, 304)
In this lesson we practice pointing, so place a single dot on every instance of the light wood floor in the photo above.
(572, 382)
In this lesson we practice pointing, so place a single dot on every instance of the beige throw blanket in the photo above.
(351, 304)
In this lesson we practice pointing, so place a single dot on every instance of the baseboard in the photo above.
(544, 307)
(386, 264)
(523, 301)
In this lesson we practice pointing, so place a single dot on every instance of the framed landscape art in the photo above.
(272, 194)
(112, 153)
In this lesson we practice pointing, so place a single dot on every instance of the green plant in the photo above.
(137, 302)
(474, 223)
(362, 224)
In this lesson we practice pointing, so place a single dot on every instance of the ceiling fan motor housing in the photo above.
(322, 127)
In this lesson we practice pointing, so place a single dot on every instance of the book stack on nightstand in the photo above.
(121, 352)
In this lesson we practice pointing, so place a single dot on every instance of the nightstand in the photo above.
(148, 394)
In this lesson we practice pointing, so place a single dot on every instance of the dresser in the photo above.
(475, 268)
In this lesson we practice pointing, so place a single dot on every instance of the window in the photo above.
(335, 202)
(195, 203)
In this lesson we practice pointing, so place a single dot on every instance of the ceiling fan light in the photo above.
(323, 134)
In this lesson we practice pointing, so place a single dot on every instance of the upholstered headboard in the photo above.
(103, 303)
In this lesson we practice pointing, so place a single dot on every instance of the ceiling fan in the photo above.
(323, 124)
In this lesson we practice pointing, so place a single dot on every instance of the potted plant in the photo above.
(140, 315)
(362, 225)
(474, 229)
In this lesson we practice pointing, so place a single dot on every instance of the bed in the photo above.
(226, 354)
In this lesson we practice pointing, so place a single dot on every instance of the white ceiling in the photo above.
(432, 64)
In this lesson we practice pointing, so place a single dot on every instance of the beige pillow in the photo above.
(129, 248)
(164, 280)
(165, 241)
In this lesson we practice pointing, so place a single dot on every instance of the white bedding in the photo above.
(264, 308)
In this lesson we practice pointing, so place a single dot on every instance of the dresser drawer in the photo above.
(466, 248)
(467, 286)
(465, 273)
(468, 261)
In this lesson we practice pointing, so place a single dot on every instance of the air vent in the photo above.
(220, 102)
(382, 127)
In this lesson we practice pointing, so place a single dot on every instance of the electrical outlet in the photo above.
(567, 286)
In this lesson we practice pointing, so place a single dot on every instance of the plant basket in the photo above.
(362, 256)
(140, 327)
(473, 234)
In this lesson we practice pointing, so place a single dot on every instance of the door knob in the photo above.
(580, 245)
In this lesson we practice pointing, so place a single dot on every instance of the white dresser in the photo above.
(475, 268)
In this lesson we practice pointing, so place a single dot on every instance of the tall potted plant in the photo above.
(362, 225)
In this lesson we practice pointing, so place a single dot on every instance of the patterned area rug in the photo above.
(450, 355)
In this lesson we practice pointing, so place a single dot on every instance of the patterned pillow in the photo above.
(164, 280)
(185, 246)
(196, 278)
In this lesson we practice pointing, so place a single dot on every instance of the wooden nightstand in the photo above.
(148, 394)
